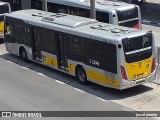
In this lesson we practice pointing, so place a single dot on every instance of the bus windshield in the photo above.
(128, 17)
(4, 9)
(138, 48)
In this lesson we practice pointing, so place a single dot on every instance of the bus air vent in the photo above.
(40, 14)
(104, 3)
(116, 4)
(97, 26)
(37, 15)
(47, 19)
(116, 31)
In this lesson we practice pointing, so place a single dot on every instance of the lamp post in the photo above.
(92, 9)
(44, 5)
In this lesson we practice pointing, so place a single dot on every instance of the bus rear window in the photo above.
(4, 9)
(127, 14)
(137, 43)
(138, 48)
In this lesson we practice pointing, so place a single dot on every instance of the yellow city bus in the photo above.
(110, 55)
(4, 8)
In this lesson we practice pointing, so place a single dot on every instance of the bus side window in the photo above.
(72, 11)
(79, 11)
(110, 52)
(83, 12)
(20, 33)
(94, 50)
(111, 57)
(36, 4)
(52, 7)
(75, 46)
(61, 8)
(102, 17)
(8, 29)
(48, 41)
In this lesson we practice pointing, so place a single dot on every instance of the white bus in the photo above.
(109, 55)
(119, 13)
(134, 1)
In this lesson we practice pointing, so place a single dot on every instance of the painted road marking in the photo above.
(10, 62)
(25, 68)
(59, 82)
(127, 109)
(79, 90)
(102, 99)
(41, 74)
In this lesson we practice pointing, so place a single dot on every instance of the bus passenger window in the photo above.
(110, 52)
(72, 11)
(83, 12)
(8, 30)
(79, 12)
(95, 50)
(48, 41)
(76, 46)
(61, 9)
(102, 17)
(51, 8)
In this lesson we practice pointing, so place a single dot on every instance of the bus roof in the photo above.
(4, 3)
(76, 25)
(106, 5)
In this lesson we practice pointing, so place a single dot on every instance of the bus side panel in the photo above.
(95, 75)
(100, 65)
(50, 60)
(1, 24)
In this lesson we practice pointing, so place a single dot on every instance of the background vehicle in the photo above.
(110, 55)
(106, 10)
(15, 4)
(118, 13)
(4, 8)
(135, 1)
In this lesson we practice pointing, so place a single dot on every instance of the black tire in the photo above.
(23, 55)
(81, 76)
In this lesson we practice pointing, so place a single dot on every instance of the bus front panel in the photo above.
(139, 58)
(129, 17)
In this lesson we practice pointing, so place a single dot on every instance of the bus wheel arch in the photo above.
(23, 53)
(81, 75)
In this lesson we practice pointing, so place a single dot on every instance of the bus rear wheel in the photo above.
(81, 76)
(23, 55)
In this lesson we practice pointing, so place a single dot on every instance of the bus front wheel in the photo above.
(23, 54)
(81, 76)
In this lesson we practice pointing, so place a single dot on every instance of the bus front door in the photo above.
(36, 46)
(62, 52)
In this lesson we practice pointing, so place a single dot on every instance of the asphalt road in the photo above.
(32, 87)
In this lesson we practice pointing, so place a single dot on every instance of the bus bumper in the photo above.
(128, 84)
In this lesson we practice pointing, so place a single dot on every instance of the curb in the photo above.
(151, 22)
(156, 82)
